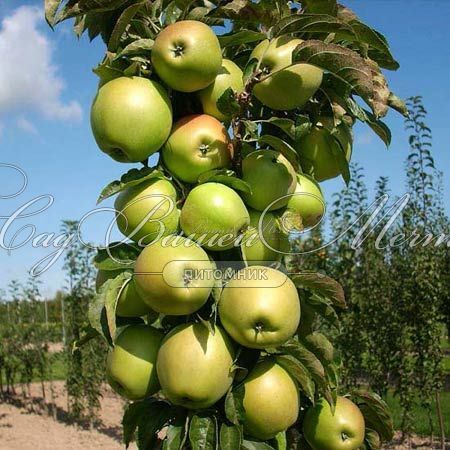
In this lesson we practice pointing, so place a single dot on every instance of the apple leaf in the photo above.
(122, 24)
(228, 103)
(298, 371)
(230, 437)
(138, 47)
(203, 432)
(341, 62)
(51, 8)
(320, 6)
(256, 445)
(133, 177)
(176, 434)
(376, 413)
(101, 5)
(324, 309)
(172, 13)
(311, 23)
(152, 418)
(283, 147)
(241, 37)
(87, 335)
(321, 285)
(102, 308)
(286, 125)
(234, 405)
(226, 177)
(117, 256)
(372, 440)
(379, 127)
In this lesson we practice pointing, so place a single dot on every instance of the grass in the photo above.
(421, 422)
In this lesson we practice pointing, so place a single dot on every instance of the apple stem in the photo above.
(244, 100)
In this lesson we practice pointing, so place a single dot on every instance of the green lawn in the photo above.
(421, 425)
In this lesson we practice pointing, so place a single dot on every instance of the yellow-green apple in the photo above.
(195, 366)
(229, 76)
(148, 211)
(129, 304)
(260, 308)
(174, 276)
(131, 118)
(197, 144)
(187, 55)
(284, 85)
(306, 206)
(320, 151)
(131, 363)
(271, 178)
(261, 244)
(271, 400)
(343, 430)
(215, 216)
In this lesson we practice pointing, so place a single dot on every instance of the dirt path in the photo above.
(24, 425)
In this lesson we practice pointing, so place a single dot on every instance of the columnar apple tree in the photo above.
(236, 110)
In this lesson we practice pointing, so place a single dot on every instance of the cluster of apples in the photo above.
(259, 307)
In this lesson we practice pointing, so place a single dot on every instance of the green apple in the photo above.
(319, 151)
(131, 118)
(261, 244)
(343, 430)
(195, 367)
(306, 206)
(187, 55)
(271, 400)
(129, 304)
(229, 76)
(260, 308)
(215, 216)
(148, 211)
(271, 177)
(197, 144)
(174, 276)
(291, 85)
(131, 363)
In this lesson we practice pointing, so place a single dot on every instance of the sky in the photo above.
(46, 88)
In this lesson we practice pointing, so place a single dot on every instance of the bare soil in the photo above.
(25, 425)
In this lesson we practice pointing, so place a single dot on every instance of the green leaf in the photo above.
(342, 62)
(320, 6)
(51, 8)
(152, 420)
(228, 103)
(321, 285)
(398, 104)
(102, 308)
(230, 437)
(255, 445)
(372, 440)
(138, 47)
(283, 147)
(122, 24)
(299, 372)
(132, 178)
(376, 413)
(226, 177)
(176, 434)
(172, 13)
(379, 127)
(311, 23)
(320, 345)
(281, 441)
(250, 69)
(325, 309)
(100, 5)
(286, 125)
(117, 256)
(307, 358)
(234, 405)
(241, 37)
(202, 432)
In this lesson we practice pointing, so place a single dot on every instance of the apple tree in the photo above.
(236, 111)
